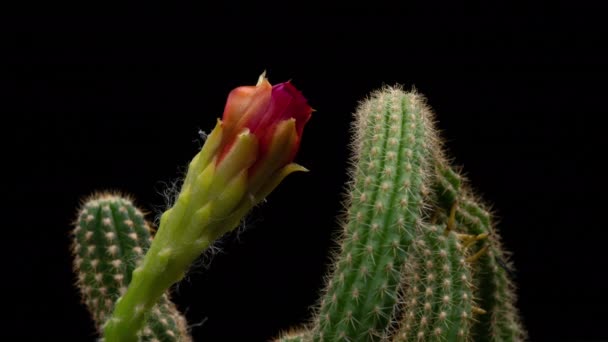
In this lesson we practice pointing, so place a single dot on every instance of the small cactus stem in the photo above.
(495, 291)
(390, 167)
(447, 185)
(426, 280)
(437, 299)
(165, 323)
(109, 240)
(461, 313)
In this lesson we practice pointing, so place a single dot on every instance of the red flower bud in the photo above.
(266, 111)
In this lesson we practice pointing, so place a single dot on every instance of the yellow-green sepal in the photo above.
(241, 156)
(207, 152)
(279, 151)
(276, 179)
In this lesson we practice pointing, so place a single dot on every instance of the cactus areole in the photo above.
(245, 157)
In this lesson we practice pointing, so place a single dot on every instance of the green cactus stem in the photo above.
(495, 291)
(419, 260)
(109, 239)
(392, 146)
(438, 299)
(409, 211)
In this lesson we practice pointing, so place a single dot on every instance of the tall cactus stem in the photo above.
(409, 210)
(393, 140)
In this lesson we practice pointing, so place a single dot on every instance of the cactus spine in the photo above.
(295, 336)
(109, 239)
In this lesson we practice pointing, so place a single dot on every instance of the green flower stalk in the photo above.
(244, 158)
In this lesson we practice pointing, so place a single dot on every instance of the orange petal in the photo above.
(245, 100)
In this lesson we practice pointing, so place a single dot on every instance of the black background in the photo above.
(113, 98)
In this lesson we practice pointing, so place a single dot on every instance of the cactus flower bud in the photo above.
(251, 149)
(245, 157)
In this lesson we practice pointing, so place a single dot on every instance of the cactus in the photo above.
(109, 239)
(391, 166)
(495, 289)
(438, 299)
(412, 264)
(419, 258)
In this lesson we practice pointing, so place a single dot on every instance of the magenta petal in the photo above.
(261, 109)
(277, 110)
(291, 104)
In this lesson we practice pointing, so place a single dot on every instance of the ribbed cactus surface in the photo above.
(390, 168)
(110, 237)
(495, 291)
(437, 303)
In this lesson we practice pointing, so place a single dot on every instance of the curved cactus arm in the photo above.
(110, 238)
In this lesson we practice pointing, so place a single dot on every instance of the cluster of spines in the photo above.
(300, 335)
(390, 170)
(110, 237)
